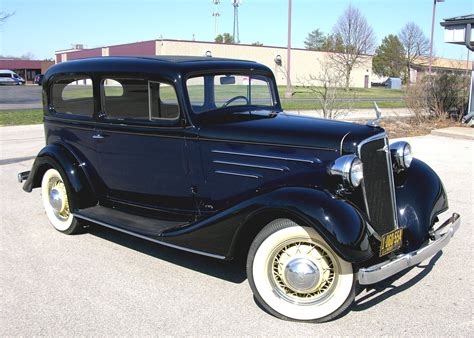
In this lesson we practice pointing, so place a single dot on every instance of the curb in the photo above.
(455, 132)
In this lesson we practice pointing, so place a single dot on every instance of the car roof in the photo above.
(167, 66)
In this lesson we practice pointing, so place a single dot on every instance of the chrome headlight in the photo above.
(349, 167)
(401, 155)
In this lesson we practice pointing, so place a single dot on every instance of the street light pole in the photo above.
(432, 34)
(288, 55)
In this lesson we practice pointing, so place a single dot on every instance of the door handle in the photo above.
(97, 136)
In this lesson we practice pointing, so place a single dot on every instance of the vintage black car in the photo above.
(196, 154)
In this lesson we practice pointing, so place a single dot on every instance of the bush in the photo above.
(440, 96)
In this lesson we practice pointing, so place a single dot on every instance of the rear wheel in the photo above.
(56, 203)
(295, 274)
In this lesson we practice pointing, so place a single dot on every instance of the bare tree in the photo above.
(355, 39)
(27, 56)
(416, 45)
(326, 87)
(4, 16)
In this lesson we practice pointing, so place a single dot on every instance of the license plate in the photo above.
(391, 241)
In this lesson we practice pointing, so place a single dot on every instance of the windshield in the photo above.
(212, 92)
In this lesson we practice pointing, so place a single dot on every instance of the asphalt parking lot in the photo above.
(20, 97)
(107, 283)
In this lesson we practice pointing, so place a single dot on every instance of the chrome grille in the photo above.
(378, 186)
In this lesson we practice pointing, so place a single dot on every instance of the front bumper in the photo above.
(439, 239)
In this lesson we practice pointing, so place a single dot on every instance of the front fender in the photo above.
(420, 198)
(60, 158)
(338, 222)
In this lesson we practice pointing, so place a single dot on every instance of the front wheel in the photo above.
(294, 274)
(56, 203)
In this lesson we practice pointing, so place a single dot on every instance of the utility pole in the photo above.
(235, 33)
(216, 16)
(288, 91)
(432, 34)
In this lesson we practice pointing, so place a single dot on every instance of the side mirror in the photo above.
(226, 80)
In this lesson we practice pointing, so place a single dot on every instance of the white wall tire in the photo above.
(54, 193)
(296, 275)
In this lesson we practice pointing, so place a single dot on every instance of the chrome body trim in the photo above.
(392, 184)
(236, 174)
(251, 165)
(342, 143)
(440, 238)
(389, 172)
(148, 238)
(370, 139)
(366, 203)
(295, 159)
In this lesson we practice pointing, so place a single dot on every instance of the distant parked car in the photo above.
(8, 77)
(38, 79)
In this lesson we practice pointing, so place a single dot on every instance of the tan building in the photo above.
(439, 65)
(304, 63)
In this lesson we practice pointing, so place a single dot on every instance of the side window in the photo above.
(125, 99)
(163, 101)
(112, 88)
(73, 96)
(138, 99)
(261, 93)
(196, 92)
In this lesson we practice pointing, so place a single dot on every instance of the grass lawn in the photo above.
(19, 117)
(309, 105)
(376, 92)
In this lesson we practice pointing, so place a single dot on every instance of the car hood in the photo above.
(267, 127)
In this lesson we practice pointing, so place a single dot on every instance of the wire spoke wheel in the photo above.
(56, 202)
(58, 198)
(295, 274)
(303, 271)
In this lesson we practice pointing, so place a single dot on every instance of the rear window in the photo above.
(73, 96)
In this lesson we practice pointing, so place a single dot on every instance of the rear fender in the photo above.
(61, 159)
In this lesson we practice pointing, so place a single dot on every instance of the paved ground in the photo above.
(455, 132)
(104, 282)
(20, 97)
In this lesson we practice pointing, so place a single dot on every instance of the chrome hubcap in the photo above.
(55, 199)
(58, 199)
(302, 275)
(303, 271)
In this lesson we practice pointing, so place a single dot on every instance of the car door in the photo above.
(70, 121)
(142, 148)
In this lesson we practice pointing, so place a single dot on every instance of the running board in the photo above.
(134, 225)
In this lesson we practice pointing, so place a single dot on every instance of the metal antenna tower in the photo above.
(235, 34)
(216, 16)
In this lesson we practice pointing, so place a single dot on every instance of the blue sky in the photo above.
(42, 26)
